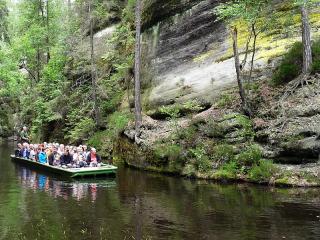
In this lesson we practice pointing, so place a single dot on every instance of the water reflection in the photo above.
(76, 189)
(139, 205)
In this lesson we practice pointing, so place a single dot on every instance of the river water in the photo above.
(139, 205)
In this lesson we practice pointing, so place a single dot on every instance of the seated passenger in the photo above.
(54, 157)
(75, 157)
(85, 151)
(42, 156)
(93, 159)
(32, 155)
(17, 152)
(81, 158)
(24, 152)
(48, 150)
(61, 149)
(66, 158)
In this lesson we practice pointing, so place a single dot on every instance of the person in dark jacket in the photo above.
(54, 155)
(17, 152)
(66, 158)
(93, 159)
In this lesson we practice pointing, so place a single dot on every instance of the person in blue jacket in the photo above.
(42, 156)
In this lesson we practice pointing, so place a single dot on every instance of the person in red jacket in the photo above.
(93, 159)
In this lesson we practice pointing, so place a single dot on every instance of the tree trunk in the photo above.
(244, 62)
(237, 67)
(38, 65)
(93, 70)
(69, 9)
(48, 31)
(306, 41)
(255, 35)
(40, 13)
(137, 97)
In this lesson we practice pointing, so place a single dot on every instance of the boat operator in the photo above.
(24, 136)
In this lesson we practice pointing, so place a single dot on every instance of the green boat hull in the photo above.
(105, 169)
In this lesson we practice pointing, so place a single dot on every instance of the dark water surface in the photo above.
(138, 205)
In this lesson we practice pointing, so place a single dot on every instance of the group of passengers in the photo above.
(55, 154)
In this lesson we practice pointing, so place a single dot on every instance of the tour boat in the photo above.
(104, 169)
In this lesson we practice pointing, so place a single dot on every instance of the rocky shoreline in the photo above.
(286, 133)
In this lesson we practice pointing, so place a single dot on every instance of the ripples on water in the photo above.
(138, 205)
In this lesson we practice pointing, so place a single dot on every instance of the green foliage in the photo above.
(225, 100)
(202, 161)
(173, 152)
(170, 154)
(213, 129)
(263, 171)
(306, 3)
(316, 56)
(172, 111)
(169, 151)
(180, 109)
(4, 33)
(102, 142)
(192, 106)
(5, 124)
(251, 156)
(248, 10)
(82, 130)
(291, 64)
(187, 134)
(117, 122)
(316, 66)
(227, 171)
(189, 170)
(223, 153)
(245, 128)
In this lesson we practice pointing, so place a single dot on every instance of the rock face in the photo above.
(187, 54)
(173, 40)
(294, 134)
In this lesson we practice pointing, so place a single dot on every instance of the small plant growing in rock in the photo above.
(246, 130)
(227, 171)
(263, 171)
(188, 133)
(171, 111)
(225, 100)
(168, 153)
(192, 106)
(203, 163)
(189, 170)
(213, 129)
(250, 157)
(222, 154)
